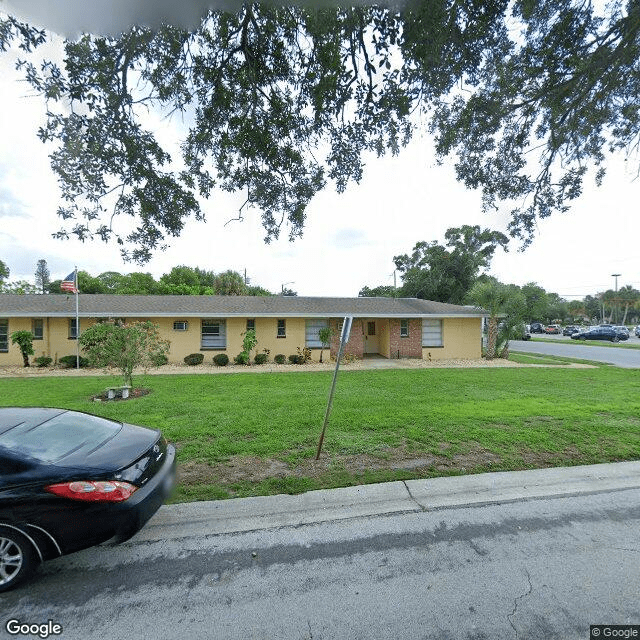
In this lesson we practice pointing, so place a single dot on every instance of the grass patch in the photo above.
(593, 343)
(256, 434)
(528, 358)
(533, 358)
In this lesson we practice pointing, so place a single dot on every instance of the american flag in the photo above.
(69, 283)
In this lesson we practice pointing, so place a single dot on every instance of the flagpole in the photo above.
(77, 322)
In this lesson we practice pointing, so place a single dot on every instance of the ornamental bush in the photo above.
(280, 358)
(242, 358)
(124, 346)
(193, 359)
(24, 340)
(159, 360)
(70, 361)
(260, 358)
(221, 359)
(43, 361)
(296, 359)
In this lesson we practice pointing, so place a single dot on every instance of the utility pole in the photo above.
(615, 300)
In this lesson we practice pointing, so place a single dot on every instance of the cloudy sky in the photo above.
(349, 240)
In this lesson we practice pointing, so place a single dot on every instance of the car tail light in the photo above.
(93, 491)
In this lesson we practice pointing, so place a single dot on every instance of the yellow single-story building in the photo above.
(387, 327)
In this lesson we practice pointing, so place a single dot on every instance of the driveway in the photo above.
(618, 356)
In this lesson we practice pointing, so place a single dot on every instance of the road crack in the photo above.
(515, 604)
(406, 486)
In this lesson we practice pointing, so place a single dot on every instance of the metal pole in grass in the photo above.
(344, 337)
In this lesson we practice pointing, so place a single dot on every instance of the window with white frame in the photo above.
(214, 334)
(37, 329)
(251, 324)
(282, 329)
(180, 325)
(313, 326)
(404, 328)
(4, 335)
(431, 333)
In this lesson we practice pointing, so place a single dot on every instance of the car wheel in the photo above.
(616, 339)
(18, 559)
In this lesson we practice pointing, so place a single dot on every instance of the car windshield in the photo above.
(52, 440)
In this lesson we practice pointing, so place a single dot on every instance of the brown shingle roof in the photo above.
(127, 306)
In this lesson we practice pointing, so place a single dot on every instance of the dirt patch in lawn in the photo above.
(253, 469)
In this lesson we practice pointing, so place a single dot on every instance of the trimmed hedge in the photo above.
(280, 358)
(242, 358)
(221, 359)
(296, 359)
(43, 361)
(193, 359)
(261, 358)
(70, 361)
(159, 360)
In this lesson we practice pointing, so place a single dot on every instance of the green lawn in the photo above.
(538, 358)
(630, 344)
(252, 434)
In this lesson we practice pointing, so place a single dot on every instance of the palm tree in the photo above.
(492, 296)
(628, 295)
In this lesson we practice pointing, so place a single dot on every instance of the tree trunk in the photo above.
(25, 359)
(492, 338)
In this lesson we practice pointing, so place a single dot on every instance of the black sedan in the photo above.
(70, 480)
(600, 333)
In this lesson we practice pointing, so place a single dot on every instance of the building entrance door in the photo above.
(371, 337)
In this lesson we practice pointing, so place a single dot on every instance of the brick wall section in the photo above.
(409, 347)
(355, 344)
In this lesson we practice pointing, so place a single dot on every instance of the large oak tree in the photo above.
(277, 101)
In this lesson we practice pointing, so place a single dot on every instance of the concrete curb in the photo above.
(259, 513)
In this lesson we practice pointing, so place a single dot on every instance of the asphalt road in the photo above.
(536, 569)
(621, 357)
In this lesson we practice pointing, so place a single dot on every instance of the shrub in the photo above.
(193, 359)
(242, 358)
(296, 359)
(124, 346)
(260, 358)
(304, 355)
(70, 361)
(280, 358)
(249, 343)
(159, 359)
(221, 359)
(43, 361)
(24, 340)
